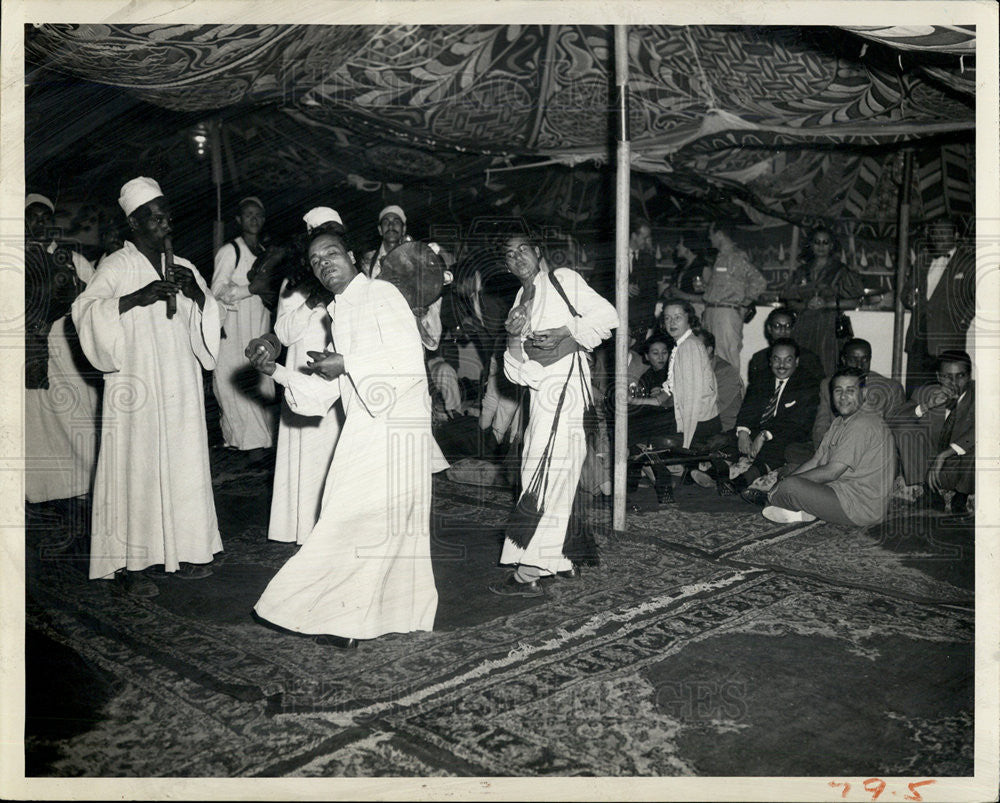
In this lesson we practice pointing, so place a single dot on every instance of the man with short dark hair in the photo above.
(642, 276)
(779, 323)
(776, 413)
(940, 420)
(153, 500)
(849, 479)
(882, 394)
(941, 290)
(365, 569)
(728, 384)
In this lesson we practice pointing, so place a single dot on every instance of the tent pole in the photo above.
(902, 259)
(621, 277)
(218, 229)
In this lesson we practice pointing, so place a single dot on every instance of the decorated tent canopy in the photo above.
(760, 124)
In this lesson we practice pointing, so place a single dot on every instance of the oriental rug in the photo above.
(697, 630)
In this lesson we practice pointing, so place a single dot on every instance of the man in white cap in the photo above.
(153, 502)
(305, 442)
(60, 439)
(392, 227)
(245, 397)
(39, 212)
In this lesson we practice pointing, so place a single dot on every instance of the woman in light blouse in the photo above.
(690, 378)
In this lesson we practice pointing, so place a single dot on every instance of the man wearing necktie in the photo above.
(641, 274)
(777, 412)
(941, 292)
(935, 434)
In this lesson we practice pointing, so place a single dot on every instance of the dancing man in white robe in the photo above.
(153, 500)
(545, 336)
(245, 398)
(365, 569)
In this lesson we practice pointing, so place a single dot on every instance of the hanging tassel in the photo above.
(913, 257)
(781, 253)
(659, 256)
(864, 49)
(888, 260)
(864, 259)
(843, 255)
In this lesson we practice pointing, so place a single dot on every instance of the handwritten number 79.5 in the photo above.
(876, 786)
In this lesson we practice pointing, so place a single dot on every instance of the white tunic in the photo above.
(153, 498)
(569, 448)
(305, 443)
(245, 396)
(60, 424)
(365, 569)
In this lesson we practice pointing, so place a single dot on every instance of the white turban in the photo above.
(137, 192)
(392, 209)
(319, 215)
(35, 198)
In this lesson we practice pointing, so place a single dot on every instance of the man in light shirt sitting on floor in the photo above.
(849, 479)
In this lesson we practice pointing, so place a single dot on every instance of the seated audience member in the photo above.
(690, 378)
(849, 479)
(777, 412)
(882, 394)
(779, 323)
(940, 420)
(651, 415)
(728, 383)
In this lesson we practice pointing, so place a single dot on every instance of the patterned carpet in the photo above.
(706, 643)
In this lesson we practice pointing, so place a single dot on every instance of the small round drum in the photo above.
(417, 272)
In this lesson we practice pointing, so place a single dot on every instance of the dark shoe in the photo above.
(512, 588)
(959, 503)
(192, 571)
(725, 487)
(337, 641)
(755, 497)
(569, 574)
(135, 585)
(931, 499)
(665, 496)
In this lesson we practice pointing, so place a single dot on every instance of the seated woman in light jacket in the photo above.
(690, 378)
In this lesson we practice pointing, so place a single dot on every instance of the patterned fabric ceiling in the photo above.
(792, 122)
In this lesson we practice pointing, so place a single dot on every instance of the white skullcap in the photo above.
(319, 215)
(35, 198)
(250, 199)
(392, 209)
(137, 192)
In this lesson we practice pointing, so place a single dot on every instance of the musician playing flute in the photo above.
(153, 499)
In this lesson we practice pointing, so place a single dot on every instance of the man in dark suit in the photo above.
(642, 274)
(940, 420)
(777, 412)
(779, 323)
(941, 292)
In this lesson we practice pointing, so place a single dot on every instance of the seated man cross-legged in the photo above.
(777, 413)
(849, 479)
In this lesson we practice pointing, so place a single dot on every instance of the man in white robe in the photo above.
(153, 500)
(60, 397)
(365, 569)
(245, 398)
